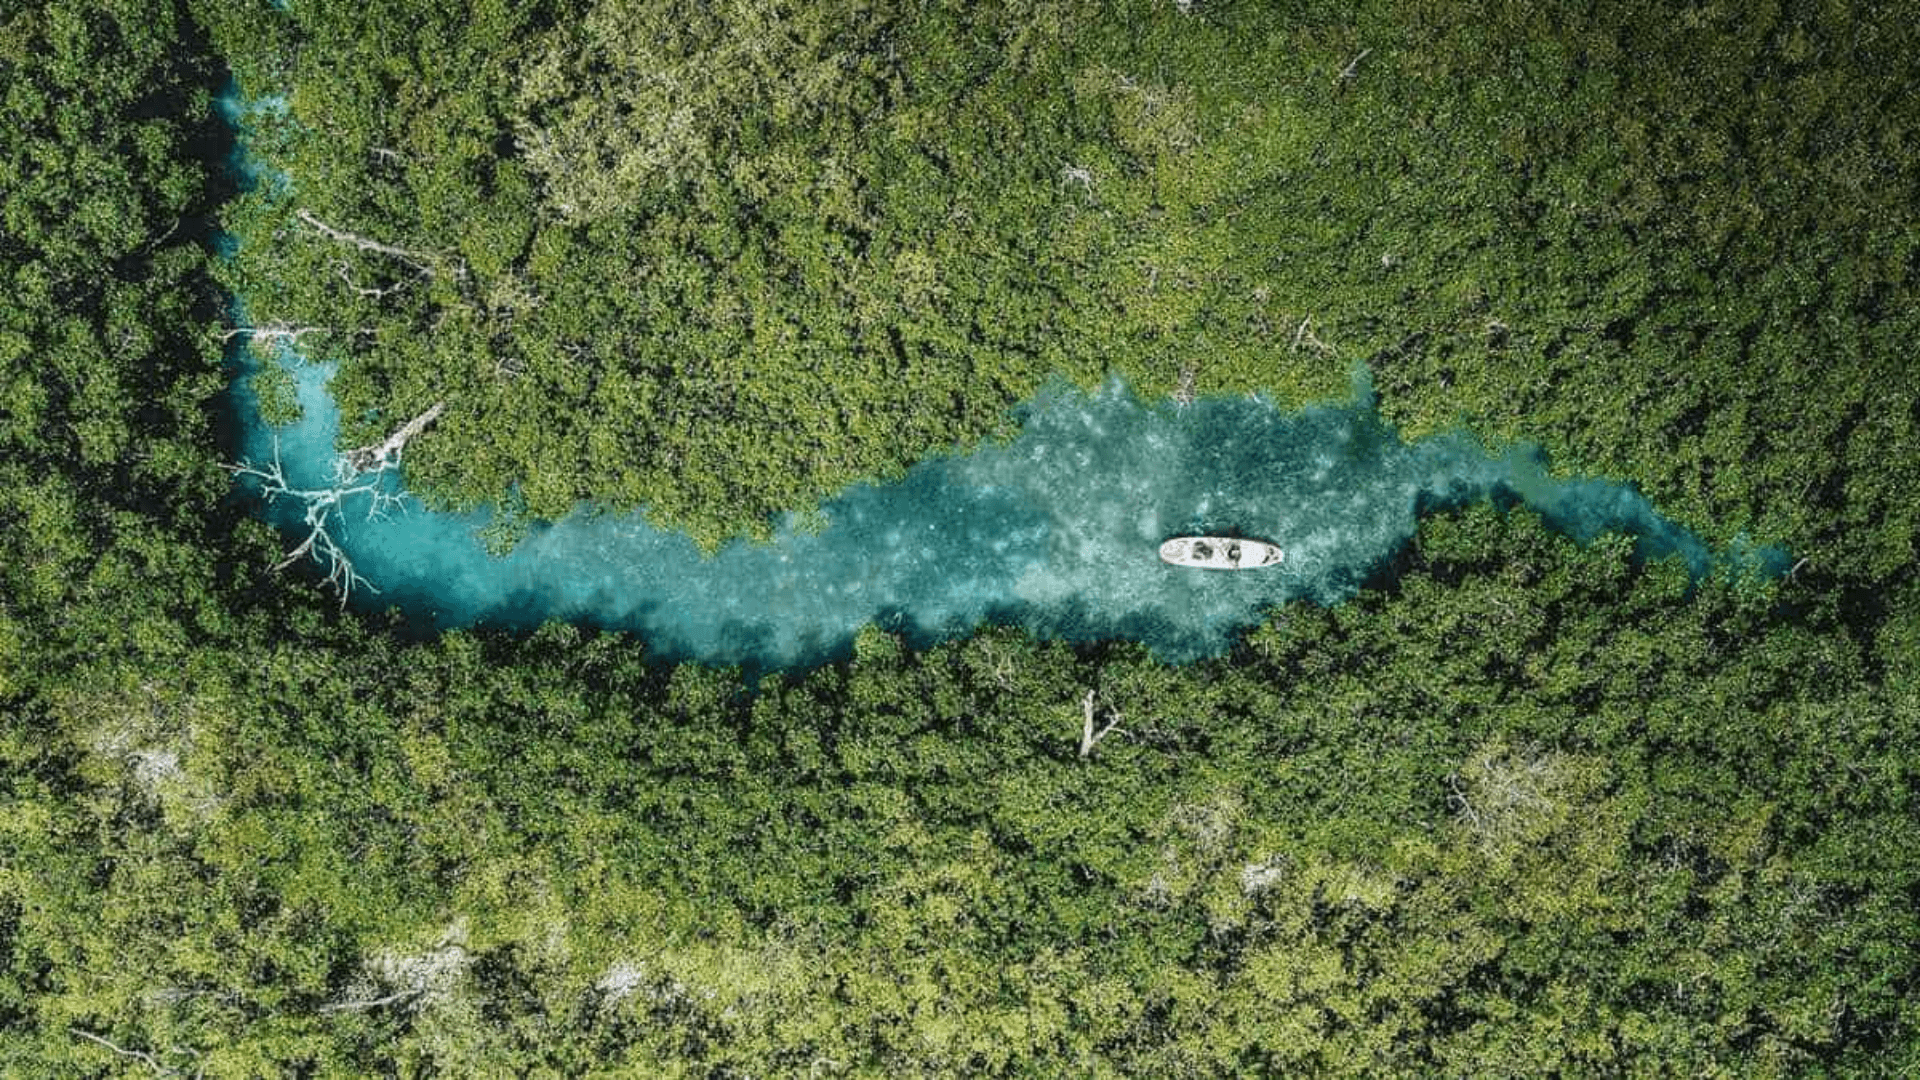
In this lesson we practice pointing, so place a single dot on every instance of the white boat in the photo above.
(1220, 553)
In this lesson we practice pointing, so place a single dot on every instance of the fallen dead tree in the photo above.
(358, 472)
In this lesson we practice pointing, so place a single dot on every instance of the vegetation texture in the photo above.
(723, 264)
(1521, 808)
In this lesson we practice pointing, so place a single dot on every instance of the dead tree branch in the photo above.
(1089, 738)
(138, 1055)
(1078, 174)
(372, 1003)
(1305, 334)
(262, 336)
(1353, 65)
(380, 456)
(360, 471)
(425, 263)
(324, 514)
(277, 332)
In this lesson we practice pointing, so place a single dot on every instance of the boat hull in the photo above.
(1220, 553)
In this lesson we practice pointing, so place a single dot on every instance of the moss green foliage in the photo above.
(759, 255)
(107, 343)
(1536, 811)
(273, 387)
(1522, 808)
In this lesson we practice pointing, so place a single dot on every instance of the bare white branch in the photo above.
(1078, 174)
(1089, 738)
(1353, 65)
(371, 1003)
(138, 1055)
(380, 456)
(277, 332)
(425, 263)
(323, 514)
(357, 472)
(1305, 334)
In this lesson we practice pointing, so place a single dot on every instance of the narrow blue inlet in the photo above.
(1056, 531)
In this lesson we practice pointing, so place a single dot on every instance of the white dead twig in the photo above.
(359, 471)
(1305, 334)
(366, 459)
(138, 1055)
(1089, 738)
(425, 263)
(277, 332)
(324, 515)
(372, 1003)
(322, 505)
(1500, 790)
(1078, 174)
(1353, 65)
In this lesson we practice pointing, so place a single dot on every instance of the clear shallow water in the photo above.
(1056, 531)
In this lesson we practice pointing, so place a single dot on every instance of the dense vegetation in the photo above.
(722, 265)
(1538, 812)
(1522, 808)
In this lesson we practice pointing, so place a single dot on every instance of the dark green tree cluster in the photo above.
(1535, 812)
(108, 342)
(1523, 808)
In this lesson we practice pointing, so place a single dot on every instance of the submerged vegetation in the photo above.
(1521, 807)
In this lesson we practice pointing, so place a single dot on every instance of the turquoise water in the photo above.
(1056, 531)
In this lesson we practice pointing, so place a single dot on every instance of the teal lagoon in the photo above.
(1056, 530)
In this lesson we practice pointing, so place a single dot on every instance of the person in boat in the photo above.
(1202, 550)
(1233, 554)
